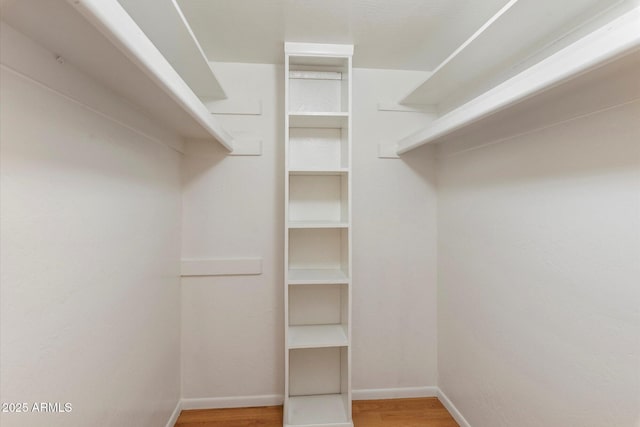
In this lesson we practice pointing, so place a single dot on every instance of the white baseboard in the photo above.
(394, 393)
(175, 414)
(455, 413)
(232, 402)
(277, 399)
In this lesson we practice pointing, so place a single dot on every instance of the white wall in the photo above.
(89, 267)
(394, 252)
(232, 326)
(539, 266)
(232, 330)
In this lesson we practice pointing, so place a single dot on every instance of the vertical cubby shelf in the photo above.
(318, 235)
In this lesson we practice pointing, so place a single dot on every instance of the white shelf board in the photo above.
(317, 336)
(325, 410)
(120, 29)
(611, 42)
(516, 31)
(317, 277)
(318, 120)
(318, 224)
(100, 39)
(170, 32)
(341, 171)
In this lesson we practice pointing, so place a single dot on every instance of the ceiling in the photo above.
(393, 34)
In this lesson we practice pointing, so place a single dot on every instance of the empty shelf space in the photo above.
(319, 201)
(318, 248)
(317, 336)
(335, 120)
(323, 409)
(318, 371)
(311, 91)
(322, 148)
(318, 305)
(317, 276)
(318, 224)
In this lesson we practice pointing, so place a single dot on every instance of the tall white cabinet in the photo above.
(317, 235)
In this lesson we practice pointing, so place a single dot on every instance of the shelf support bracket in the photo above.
(407, 108)
(246, 147)
(388, 151)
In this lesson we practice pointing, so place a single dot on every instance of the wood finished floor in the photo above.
(418, 412)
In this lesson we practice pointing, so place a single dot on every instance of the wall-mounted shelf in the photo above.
(613, 41)
(170, 32)
(519, 29)
(128, 63)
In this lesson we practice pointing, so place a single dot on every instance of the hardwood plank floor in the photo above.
(418, 412)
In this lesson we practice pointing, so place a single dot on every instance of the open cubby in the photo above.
(318, 85)
(318, 248)
(318, 148)
(318, 198)
(323, 409)
(318, 305)
(316, 371)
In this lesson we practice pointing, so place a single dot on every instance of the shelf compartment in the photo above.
(323, 248)
(320, 89)
(318, 371)
(317, 276)
(318, 305)
(318, 148)
(324, 409)
(328, 119)
(320, 61)
(318, 201)
(317, 336)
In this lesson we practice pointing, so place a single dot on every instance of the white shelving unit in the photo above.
(318, 235)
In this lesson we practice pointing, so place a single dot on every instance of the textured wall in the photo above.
(539, 266)
(90, 249)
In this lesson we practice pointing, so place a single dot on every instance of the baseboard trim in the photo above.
(277, 399)
(394, 393)
(233, 402)
(175, 414)
(455, 413)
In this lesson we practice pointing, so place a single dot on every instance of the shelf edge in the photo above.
(120, 29)
(614, 40)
